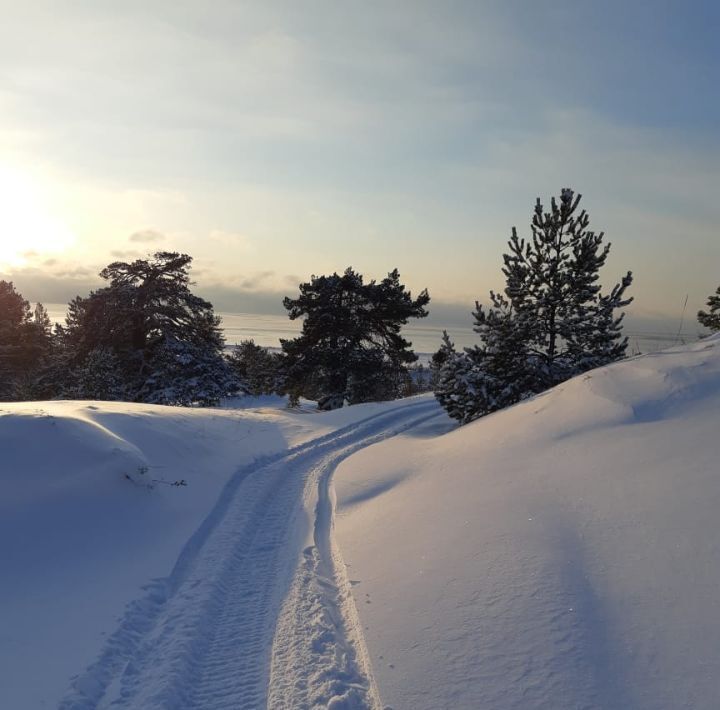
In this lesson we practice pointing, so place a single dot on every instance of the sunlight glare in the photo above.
(28, 229)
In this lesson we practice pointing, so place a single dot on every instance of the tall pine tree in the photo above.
(552, 321)
(568, 326)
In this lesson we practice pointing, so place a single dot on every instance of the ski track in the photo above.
(251, 616)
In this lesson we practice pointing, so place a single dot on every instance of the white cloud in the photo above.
(146, 236)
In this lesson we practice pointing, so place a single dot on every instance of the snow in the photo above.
(82, 546)
(78, 540)
(562, 553)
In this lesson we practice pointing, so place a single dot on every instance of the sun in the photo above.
(28, 228)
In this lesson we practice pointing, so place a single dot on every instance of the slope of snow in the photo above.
(84, 530)
(563, 553)
(78, 539)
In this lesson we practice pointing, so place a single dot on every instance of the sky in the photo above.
(274, 140)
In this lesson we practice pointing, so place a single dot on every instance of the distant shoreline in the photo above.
(268, 330)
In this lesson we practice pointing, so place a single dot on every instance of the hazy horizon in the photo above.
(266, 328)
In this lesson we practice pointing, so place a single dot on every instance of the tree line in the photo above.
(146, 337)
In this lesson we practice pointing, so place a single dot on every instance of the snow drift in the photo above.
(78, 539)
(91, 525)
(563, 553)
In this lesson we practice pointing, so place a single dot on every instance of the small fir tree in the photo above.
(444, 381)
(459, 386)
(502, 357)
(185, 373)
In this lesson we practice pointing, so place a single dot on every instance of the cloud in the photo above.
(77, 272)
(146, 236)
(39, 285)
(130, 254)
(237, 300)
(253, 283)
(261, 292)
(266, 281)
(231, 239)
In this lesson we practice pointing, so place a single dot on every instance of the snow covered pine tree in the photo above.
(165, 340)
(350, 349)
(458, 382)
(257, 368)
(552, 322)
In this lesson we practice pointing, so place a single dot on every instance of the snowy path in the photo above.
(257, 611)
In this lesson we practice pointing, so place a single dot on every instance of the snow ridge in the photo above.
(203, 637)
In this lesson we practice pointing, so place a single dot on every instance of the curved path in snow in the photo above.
(257, 611)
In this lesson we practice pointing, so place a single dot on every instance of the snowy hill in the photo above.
(96, 542)
(563, 553)
(78, 539)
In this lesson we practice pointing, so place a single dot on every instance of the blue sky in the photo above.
(273, 140)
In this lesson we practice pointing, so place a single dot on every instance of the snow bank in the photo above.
(78, 538)
(89, 518)
(563, 553)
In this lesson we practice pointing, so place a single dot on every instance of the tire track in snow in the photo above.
(319, 657)
(203, 637)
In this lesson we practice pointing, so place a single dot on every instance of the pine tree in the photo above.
(551, 286)
(98, 377)
(257, 369)
(24, 343)
(186, 373)
(459, 383)
(711, 318)
(166, 340)
(502, 363)
(350, 349)
(445, 368)
(552, 321)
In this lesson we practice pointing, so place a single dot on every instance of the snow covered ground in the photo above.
(563, 553)
(78, 539)
(114, 580)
